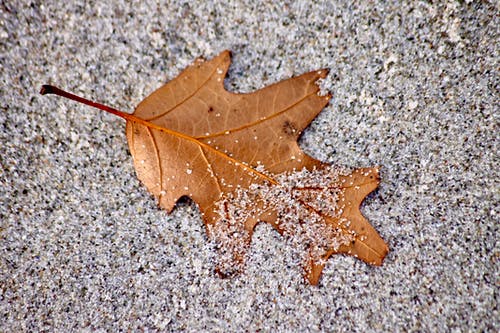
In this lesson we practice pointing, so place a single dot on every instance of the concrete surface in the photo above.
(83, 246)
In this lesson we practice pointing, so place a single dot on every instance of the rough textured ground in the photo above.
(416, 90)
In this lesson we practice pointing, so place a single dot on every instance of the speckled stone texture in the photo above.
(83, 246)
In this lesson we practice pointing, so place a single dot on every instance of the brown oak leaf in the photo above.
(237, 157)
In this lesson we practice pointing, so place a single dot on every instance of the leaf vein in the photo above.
(157, 154)
(264, 119)
(185, 99)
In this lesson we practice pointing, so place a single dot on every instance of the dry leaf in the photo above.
(236, 156)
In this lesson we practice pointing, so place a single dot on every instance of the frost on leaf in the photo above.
(236, 155)
(309, 208)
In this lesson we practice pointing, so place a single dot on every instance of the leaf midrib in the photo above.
(131, 117)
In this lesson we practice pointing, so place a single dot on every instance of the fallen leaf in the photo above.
(237, 157)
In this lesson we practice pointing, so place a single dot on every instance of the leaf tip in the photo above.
(313, 273)
(226, 58)
(324, 72)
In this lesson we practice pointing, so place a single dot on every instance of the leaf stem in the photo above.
(48, 89)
